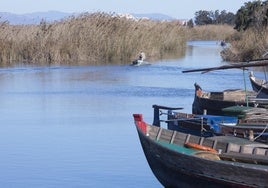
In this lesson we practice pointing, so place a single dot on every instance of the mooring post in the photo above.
(156, 116)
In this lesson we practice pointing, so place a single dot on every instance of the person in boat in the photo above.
(140, 59)
(142, 56)
(223, 43)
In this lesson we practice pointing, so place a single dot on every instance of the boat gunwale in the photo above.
(215, 138)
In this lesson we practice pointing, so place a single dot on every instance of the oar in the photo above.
(233, 66)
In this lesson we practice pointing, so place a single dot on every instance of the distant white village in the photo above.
(132, 17)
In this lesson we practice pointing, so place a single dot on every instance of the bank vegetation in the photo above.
(211, 32)
(100, 38)
(251, 41)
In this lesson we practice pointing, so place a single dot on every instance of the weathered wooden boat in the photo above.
(259, 85)
(251, 125)
(200, 125)
(183, 160)
(252, 131)
(213, 103)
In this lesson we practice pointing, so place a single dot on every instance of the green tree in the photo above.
(225, 18)
(190, 23)
(203, 17)
(252, 15)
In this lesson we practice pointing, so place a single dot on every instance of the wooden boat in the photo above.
(251, 125)
(213, 103)
(139, 62)
(259, 85)
(176, 163)
(200, 125)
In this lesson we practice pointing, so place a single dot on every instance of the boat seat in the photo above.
(245, 157)
(253, 99)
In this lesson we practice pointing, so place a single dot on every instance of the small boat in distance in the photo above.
(138, 62)
(183, 160)
(223, 43)
(259, 85)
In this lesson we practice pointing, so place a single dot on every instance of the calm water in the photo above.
(72, 126)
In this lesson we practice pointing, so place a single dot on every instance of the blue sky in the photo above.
(181, 9)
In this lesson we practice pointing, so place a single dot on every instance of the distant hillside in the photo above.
(50, 16)
(32, 18)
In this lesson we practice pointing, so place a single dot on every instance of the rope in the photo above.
(261, 132)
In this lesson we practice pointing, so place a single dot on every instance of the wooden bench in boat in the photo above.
(244, 157)
(229, 148)
(253, 99)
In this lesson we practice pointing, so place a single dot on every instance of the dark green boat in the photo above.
(219, 161)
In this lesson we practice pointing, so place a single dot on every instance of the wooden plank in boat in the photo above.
(242, 157)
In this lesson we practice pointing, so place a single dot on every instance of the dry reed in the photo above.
(89, 39)
(247, 45)
(210, 32)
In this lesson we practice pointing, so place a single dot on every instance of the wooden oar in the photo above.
(233, 66)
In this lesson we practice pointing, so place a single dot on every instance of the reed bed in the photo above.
(89, 39)
(210, 32)
(245, 46)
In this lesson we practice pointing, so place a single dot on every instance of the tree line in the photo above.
(204, 17)
(253, 14)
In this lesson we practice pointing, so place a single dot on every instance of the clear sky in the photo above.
(181, 9)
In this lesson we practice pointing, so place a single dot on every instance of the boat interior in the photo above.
(229, 95)
(227, 147)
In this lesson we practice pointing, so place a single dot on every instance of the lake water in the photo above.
(72, 126)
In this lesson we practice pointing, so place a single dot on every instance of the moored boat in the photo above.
(196, 124)
(252, 123)
(213, 103)
(183, 160)
(260, 86)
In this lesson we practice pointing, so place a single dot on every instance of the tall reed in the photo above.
(89, 39)
(210, 32)
(245, 46)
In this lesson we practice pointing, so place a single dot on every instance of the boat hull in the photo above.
(173, 169)
(139, 63)
(257, 86)
(213, 107)
(213, 103)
